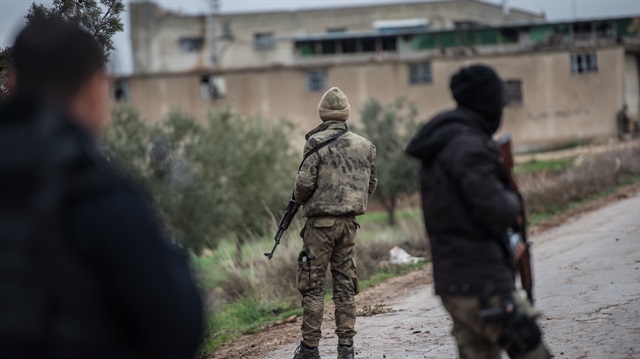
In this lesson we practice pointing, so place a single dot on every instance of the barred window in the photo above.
(264, 41)
(190, 44)
(584, 63)
(316, 80)
(420, 73)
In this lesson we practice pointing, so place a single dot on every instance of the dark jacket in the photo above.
(96, 277)
(467, 207)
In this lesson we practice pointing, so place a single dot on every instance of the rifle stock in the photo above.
(522, 262)
(285, 221)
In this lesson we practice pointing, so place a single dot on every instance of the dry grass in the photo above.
(276, 279)
(547, 192)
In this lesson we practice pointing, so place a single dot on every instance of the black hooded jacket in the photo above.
(85, 270)
(467, 206)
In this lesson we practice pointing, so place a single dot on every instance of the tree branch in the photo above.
(102, 21)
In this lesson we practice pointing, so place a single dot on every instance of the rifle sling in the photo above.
(318, 148)
(321, 146)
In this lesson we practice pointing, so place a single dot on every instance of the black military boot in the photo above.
(345, 352)
(306, 353)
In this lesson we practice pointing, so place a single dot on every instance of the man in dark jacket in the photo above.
(85, 270)
(467, 210)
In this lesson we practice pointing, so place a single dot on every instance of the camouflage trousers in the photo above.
(479, 340)
(328, 240)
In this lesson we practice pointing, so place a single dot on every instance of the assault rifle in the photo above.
(520, 247)
(285, 221)
(294, 206)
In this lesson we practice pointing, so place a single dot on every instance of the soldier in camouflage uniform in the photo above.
(333, 186)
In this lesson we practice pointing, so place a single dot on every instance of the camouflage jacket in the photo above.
(336, 180)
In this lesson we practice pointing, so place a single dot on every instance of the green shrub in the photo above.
(218, 179)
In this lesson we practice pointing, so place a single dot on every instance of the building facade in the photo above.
(565, 81)
(168, 42)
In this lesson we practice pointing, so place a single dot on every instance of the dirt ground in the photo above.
(286, 334)
(587, 281)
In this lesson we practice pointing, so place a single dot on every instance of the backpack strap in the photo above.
(318, 148)
(321, 146)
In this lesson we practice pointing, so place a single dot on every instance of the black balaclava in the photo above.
(479, 89)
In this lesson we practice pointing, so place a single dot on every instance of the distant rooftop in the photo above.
(204, 9)
(398, 31)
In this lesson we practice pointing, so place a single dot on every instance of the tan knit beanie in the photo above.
(334, 106)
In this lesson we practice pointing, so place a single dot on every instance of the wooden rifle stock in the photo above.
(522, 257)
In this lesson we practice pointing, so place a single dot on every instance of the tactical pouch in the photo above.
(324, 222)
(304, 272)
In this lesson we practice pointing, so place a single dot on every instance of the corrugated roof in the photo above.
(399, 32)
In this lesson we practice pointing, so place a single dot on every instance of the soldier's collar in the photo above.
(327, 125)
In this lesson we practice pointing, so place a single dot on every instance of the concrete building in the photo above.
(168, 42)
(565, 80)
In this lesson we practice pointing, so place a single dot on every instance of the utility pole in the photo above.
(574, 9)
(214, 8)
(505, 9)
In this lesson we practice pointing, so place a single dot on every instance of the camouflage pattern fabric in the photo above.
(328, 240)
(479, 340)
(334, 106)
(336, 180)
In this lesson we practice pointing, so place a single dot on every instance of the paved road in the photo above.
(588, 286)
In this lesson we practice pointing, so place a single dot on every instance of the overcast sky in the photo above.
(12, 13)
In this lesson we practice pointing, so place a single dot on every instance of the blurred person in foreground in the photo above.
(468, 209)
(333, 185)
(85, 270)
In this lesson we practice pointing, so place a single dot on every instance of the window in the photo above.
(510, 35)
(328, 47)
(389, 43)
(513, 92)
(190, 44)
(212, 87)
(316, 80)
(349, 46)
(582, 30)
(369, 44)
(420, 73)
(306, 48)
(584, 63)
(264, 41)
(605, 30)
(226, 30)
(336, 29)
(121, 91)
